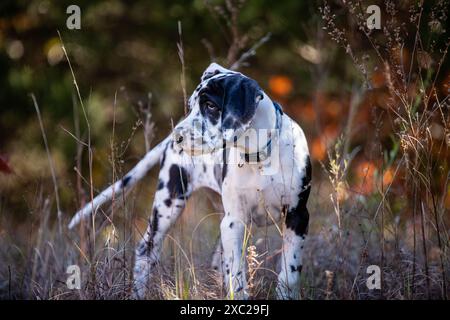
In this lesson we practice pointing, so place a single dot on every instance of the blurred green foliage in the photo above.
(128, 49)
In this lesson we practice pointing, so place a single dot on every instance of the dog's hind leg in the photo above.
(173, 190)
(291, 266)
(294, 237)
(297, 221)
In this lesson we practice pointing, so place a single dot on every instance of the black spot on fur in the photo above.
(168, 202)
(204, 167)
(178, 182)
(142, 249)
(145, 248)
(231, 225)
(125, 181)
(218, 174)
(204, 129)
(225, 165)
(155, 222)
(160, 184)
(228, 271)
(224, 171)
(297, 218)
(298, 268)
(306, 183)
(163, 158)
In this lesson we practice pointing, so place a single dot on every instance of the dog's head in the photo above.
(220, 110)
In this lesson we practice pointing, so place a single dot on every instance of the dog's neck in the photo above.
(262, 130)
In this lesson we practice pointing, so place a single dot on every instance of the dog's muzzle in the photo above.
(178, 136)
(185, 139)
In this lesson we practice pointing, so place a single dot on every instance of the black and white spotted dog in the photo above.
(219, 146)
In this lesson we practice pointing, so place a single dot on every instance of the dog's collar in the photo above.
(267, 150)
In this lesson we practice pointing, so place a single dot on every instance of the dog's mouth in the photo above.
(195, 150)
(200, 146)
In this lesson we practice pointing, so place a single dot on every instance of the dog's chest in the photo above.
(264, 194)
(262, 198)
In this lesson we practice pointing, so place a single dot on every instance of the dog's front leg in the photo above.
(232, 229)
(149, 249)
(217, 261)
(169, 202)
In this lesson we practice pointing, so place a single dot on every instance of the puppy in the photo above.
(239, 143)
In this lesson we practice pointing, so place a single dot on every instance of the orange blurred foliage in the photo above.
(378, 78)
(308, 112)
(333, 109)
(301, 110)
(330, 132)
(365, 173)
(280, 85)
(401, 56)
(318, 149)
(388, 177)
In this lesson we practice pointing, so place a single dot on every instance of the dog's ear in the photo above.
(212, 70)
(241, 97)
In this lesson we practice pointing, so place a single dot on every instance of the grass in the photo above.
(335, 262)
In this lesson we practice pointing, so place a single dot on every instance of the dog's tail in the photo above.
(126, 183)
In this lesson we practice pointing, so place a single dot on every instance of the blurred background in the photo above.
(372, 103)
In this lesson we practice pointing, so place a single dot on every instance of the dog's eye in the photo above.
(210, 106)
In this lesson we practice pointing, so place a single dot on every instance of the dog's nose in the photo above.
(178, 137)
